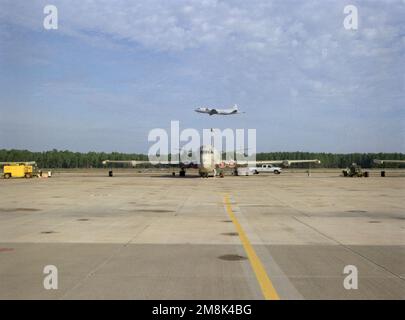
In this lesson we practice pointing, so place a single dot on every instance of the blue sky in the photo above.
(115, 70)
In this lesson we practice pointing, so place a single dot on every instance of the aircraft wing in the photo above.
(377, 161)
(287, 163)
(133, 163)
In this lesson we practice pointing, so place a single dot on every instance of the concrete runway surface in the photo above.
(138, 236)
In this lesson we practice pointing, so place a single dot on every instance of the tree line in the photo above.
(68, 159)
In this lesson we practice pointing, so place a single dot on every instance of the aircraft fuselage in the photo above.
(209, 159)
(214, 111)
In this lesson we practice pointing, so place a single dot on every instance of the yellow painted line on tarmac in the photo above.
(265, 283)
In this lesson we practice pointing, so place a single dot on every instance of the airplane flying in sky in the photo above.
(223, 112)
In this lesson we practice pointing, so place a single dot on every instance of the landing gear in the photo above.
(182, 173)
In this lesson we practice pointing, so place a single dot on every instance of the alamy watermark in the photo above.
(185, 145)
(51, 17)
(51, 279)
(351, 21)
(351, 281)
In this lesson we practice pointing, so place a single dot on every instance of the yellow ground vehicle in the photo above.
(19, 170)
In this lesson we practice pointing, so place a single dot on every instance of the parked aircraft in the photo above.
(210, 161)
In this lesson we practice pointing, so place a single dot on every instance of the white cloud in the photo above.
(187, 24)
(269, 54)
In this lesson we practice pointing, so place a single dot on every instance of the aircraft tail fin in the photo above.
(235, 107)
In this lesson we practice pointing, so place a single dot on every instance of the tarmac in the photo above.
(154, 236)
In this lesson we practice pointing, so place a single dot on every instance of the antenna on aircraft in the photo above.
(212, 137)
